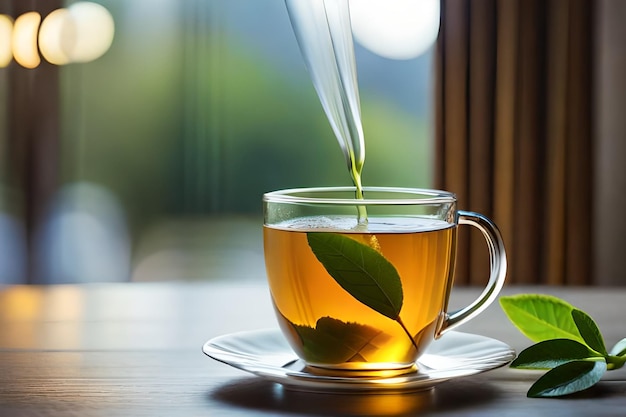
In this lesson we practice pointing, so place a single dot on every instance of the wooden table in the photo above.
(135, 350)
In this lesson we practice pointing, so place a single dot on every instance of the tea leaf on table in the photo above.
(541, 317)
(576, 351)
(551, 353)
(360, 270)
(619, 349)
(568, 378)
(334, 341)
(589, 331)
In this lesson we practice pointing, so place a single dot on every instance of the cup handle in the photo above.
(498, 265)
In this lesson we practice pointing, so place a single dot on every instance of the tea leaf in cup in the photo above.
(363, 272)
(334, 341)
(541, 317)
(568, 378)
(360, 270)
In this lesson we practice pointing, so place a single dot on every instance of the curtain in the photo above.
(513, 133)
(609, 225)
(33, 148)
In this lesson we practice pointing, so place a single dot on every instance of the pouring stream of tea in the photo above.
(324, 34)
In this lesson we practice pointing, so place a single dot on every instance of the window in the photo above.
(197, 108)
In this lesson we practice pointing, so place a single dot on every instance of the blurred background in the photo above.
(143, 156)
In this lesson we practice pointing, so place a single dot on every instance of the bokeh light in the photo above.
(94, 31)
(24, 40)
(395, 29)
(6, 33)
(84, 237)
(79, 33)
(55, 29)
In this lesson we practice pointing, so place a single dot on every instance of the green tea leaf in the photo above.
(360, 270)
(541, 317)
(568, 378)
(334, 341)
(589, 331)
(551, 353)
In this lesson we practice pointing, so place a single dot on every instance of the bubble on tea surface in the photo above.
(404, 224)
(320, 224)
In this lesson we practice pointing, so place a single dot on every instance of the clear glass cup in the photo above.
(363, 285)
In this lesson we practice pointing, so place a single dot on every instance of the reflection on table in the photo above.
(135, 349)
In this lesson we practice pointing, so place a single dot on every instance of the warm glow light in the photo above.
(395, 29)
(6, 30)
(55, 31)
(94, 28)
(20, 303)
(82, 33)
(24, 42)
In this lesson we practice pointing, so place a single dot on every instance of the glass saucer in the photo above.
(267, 354)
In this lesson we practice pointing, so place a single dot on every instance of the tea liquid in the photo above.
(307, 298)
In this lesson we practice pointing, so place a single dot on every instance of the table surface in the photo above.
(134, 349)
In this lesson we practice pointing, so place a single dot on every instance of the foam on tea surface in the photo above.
(349, 224)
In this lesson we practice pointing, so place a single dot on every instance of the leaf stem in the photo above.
(615, 362)
(399, 320)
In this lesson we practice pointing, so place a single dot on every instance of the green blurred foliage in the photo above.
(169, 141)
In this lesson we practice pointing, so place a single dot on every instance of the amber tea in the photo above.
(327, 325)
